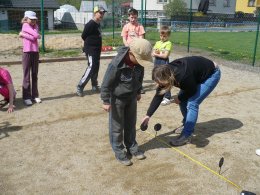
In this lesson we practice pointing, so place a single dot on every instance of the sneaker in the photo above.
(139, 155)
(27, 102)
(125, 161)
(257, 152)
(178, 130)
(181, 140)
(96, 89)
(165, 102)
(79, 91)
(38, 100)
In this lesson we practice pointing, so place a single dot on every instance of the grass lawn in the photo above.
(235, 46)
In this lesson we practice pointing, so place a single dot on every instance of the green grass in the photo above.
(235, 46)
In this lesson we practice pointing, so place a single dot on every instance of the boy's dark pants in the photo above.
(91, 72)
(30, 65)
(122, 126)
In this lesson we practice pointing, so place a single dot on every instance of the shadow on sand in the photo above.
(203, 131)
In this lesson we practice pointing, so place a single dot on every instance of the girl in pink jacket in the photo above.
(30, 35)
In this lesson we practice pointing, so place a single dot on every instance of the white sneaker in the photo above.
(165, 102)
(257, 152)
(38, 100)
(28, 102)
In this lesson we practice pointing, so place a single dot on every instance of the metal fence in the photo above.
(222, 29)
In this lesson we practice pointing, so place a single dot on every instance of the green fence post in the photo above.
(142, 8)
(42, 25)
(113, 16)
(256, 39)
(190, 18)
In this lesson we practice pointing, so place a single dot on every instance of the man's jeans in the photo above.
(190, 107)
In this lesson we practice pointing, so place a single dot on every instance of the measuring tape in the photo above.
(196, 161)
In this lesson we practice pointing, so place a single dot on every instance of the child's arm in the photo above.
(11, 98)
(28, 29)
(125, 41)
(124, 35)
(163, 54)
(27, 36)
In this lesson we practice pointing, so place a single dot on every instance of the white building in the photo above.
(154, 8)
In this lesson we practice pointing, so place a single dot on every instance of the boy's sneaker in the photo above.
(28, 102)
(124, 161)
(38, 100)
(165, 102)
(79, 91)
(96, 89)
(139, 155)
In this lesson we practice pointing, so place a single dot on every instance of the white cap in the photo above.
(30, 14)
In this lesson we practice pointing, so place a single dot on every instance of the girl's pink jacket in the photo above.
(30, 36)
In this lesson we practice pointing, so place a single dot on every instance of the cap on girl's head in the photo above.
(30, 14)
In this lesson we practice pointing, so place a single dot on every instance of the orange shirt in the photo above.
(130, 31)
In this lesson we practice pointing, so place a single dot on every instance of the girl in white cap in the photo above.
(30, 35)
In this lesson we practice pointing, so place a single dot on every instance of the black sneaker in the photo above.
(96, 89)
(139, 155)
(181, 140)
(79, 91)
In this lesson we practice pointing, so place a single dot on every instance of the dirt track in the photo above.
(61, 146)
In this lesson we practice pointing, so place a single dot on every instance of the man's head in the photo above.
(141, 50)
(133, 15)
(99, 12)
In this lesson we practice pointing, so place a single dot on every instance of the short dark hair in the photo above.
(132, 11)
(165, 30)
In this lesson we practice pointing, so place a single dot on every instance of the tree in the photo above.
(75, 3)
(175, 8)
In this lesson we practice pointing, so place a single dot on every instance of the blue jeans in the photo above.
(190, 107)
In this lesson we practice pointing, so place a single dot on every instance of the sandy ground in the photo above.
(61, 146)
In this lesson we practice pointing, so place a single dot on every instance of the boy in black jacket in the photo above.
(92, 48)
(120, 91)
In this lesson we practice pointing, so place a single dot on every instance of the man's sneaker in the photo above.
(139, 155)
(181, 140)
(38, 100)
(28, 102)
(124, 161)
(96, 89)
(165, 102)
(178, 130)
(79, 91)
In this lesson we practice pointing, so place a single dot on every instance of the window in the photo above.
(226, 3)
(212, 2)
(162, 1)
(251, 3)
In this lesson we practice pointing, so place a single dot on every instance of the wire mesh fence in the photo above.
(228, 29)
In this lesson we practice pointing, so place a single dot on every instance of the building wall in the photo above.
(242, 5)
(152, 6)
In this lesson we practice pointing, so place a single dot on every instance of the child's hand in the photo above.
(11, 108)
(157, 51)
(138, 97)
(106, 107)
(20, 34)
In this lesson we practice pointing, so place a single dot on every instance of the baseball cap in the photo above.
(30, 14)
(99, 8)
(142, 49)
